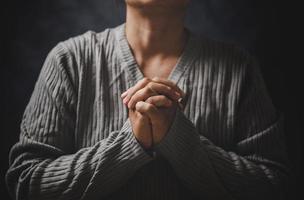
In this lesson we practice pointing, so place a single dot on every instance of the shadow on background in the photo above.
(266, 29)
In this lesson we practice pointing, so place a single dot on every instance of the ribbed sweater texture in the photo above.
(76, 140)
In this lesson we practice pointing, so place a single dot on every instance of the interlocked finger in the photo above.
(159, 101)
(169, 83)
(153, 89)
(147, 109)
(131, 91)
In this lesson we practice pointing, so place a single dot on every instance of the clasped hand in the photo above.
(152, 105)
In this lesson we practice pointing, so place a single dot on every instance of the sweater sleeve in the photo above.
(256, 168)
(44, 165)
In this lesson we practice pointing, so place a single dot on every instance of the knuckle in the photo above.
(137, 95)
(150, 100)
(169, 88)
(133, 99)
(150, 84)
(139, 105)
(156, 79)
(131, 102)
(149, 108)
(147, 90)
(146, 80)
(150, 91)
(140, 93)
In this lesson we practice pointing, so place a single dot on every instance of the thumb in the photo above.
(147, 109)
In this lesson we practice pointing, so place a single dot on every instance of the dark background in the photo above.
(269, 29)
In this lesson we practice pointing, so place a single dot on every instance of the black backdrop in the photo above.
(268, 29)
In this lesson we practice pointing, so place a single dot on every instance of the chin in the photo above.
(147, 3)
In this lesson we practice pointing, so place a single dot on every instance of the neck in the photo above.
(155, 34)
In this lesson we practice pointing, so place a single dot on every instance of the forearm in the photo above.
(90, 173)
(214, 173)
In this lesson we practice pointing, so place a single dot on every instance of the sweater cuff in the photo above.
(184, 148)
(181, 139)
(138, 149)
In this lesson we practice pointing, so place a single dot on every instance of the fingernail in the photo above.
(177, 94)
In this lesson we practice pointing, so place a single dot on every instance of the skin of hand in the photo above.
(151, 87)
(156, 100)
(142, 128)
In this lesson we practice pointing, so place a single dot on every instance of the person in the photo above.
(149, 110)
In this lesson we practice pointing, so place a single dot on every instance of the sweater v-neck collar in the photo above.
(128, 61)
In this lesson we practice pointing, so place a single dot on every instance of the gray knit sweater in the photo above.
(76, 140)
